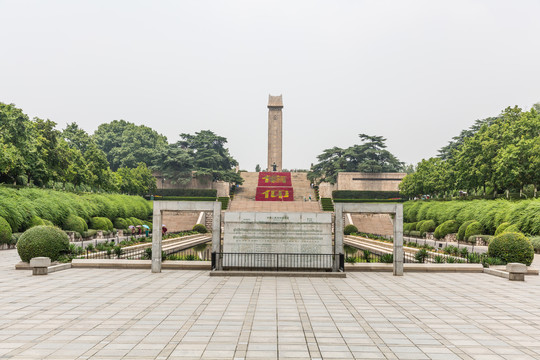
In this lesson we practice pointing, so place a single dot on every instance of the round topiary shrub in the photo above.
(447, 227)
(511, 228)
(512, 247)
(474, 228)
(35, 221)
(101, 223)
(42, 240)
(419, 225)
(200, 228)
(75, 223)
(500, 229)
(120, 223)
(48, 222)
(463, 228)
(350, 229)
(5, 231)
(427, 226)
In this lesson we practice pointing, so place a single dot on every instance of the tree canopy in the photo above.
(495, 154)
(369, 156)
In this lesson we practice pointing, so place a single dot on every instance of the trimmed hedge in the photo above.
(185, 198)
(525, 214)
(349, 229)
(339, 200)
(200, 228)
(474, 228)
(101, 223)
(511, 228)
(224, 202)
(75, 223)
(414, 233)
(463, 228)
(419, 225)
(186, 192)
(355, 194)
(44, 241)
(5, 232)
(500, 229)
(427, 226)
(36, 221)
(447, 227)
(18, 206)
(327, 204)
(120, 223)
(512, 247)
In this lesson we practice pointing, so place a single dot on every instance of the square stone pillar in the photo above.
(156, 240)
(338, 234)
(398, 240)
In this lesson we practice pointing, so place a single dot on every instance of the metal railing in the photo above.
(276, 261)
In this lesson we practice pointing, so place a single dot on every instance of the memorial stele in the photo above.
(275, 133)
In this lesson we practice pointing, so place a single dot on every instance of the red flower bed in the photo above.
(274, 194)
(275, 179)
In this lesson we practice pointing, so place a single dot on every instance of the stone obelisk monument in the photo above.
(275, 133)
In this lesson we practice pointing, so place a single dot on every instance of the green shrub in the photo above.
(327, 204)
(14, 238)
(535, 241)
(419, 225)
(121, 223)
(387, 258)
(463, 228)
(44, 241)
(134, 221)
(512, 229)
(421, 255)
(512, 247)
(474, 228)
(501, 227)
(89, 233)
(36, 221)
(486, 238)
(447, 227)
(414, 233)
(356, 194)
(427, 226)
(187, 192)
(5, 232)
(350, 229)
(101, 223)
(200, 228)
(48, 222)
(75, 223)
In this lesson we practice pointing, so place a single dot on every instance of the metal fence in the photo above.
(275, 261)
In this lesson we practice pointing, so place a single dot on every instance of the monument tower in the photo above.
(275, 134)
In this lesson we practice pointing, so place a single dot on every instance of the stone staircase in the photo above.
(244, 198)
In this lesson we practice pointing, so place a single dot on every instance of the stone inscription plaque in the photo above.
(278, 233)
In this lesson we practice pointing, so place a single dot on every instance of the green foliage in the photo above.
(447, 227)
(75, 223)
(415, 233)
(44, 241)
(370, 156)
(512, 247)
(224, 202)
(120, 223)
(200, 228)
(5, 232)
(511, 228)
(421, 255)
(36, 221)
(186, 192)
(463, 228)
(387, 258)
(180, 198)
(327, 204)
(474, 228)
(350, 229)
(89, 233)
(354, 194)
(419, 225)
(367, 201)
(427, 226)
(535, 241)
(349, 250)
(501, 228)
(101, 223)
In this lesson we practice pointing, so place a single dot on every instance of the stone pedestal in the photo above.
(516, 271)
(40, 265)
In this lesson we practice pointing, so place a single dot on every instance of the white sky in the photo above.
(415, 72)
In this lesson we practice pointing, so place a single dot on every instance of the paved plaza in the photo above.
(134, 314)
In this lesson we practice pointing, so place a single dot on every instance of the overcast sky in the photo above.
(415, 72)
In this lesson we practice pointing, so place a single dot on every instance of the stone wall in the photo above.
(201, 182)
(325, 190)
(369, 181)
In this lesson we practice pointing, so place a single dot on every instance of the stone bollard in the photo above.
(39, 265)
(516, 271)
